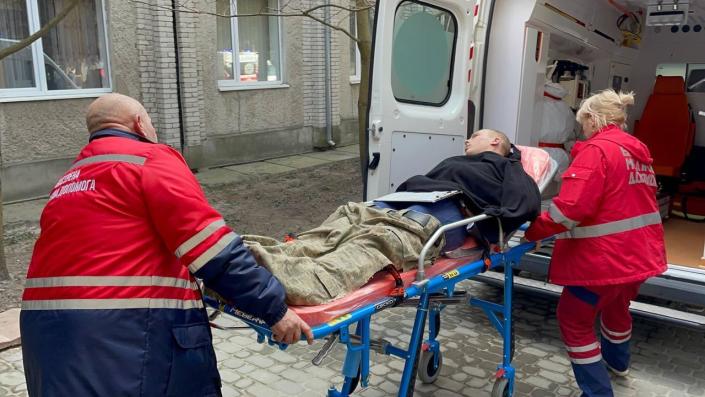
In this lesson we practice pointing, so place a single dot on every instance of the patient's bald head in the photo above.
(487, 140)
(120, 112)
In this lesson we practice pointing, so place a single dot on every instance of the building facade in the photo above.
(216, 107)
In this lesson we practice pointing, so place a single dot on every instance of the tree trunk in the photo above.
(364, 44)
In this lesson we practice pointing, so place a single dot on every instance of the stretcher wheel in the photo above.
(427, 373)
(500, 388)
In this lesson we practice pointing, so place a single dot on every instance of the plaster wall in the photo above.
(41, 138)
(257, 115)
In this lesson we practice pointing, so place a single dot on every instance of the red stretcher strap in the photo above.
(398, 291)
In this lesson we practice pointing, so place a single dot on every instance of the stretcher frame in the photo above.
(430, 304)
(430, 295)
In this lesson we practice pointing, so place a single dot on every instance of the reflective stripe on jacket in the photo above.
(606, 216)
(111, 306)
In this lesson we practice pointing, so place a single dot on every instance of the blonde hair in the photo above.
(606, 107)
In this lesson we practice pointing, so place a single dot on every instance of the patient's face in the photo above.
(480, 141)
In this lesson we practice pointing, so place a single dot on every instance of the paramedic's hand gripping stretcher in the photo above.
(427, 288)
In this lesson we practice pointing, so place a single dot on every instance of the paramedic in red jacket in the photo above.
(111, 306)
(609, 240)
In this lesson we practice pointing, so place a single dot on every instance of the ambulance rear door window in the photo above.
(423, 51)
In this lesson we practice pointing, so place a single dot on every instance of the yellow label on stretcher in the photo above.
(450, 274)
(339, 320)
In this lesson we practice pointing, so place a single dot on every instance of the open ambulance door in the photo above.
(418, 104)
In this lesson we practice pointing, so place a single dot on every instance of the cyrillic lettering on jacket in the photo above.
(638, 172)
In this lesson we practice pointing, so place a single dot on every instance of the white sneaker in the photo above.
(619, 373)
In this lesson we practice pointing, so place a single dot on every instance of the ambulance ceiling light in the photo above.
(673, 12)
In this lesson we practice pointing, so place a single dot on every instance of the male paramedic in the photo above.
(609, 240)
(111, 306)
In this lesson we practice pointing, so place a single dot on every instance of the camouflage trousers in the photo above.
(345, 251)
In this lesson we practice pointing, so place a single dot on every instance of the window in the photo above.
(671, 69)
(695, 81)
(354, 51)
(422, 53)
(70, 60)
(355, 58)
(692, 73)
(255, 40)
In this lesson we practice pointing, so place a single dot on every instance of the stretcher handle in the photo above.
(421, 274)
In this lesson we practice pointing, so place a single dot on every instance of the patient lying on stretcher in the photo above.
(360, 239)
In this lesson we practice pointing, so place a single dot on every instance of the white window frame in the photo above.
(235, 84)
(688, 68)
(41, 92)
(355, 78)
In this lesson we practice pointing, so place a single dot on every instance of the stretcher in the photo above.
(430, 289)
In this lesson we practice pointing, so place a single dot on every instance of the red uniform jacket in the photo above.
(111, 306)
(606, 215)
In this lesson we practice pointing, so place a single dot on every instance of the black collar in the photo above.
(112, 132)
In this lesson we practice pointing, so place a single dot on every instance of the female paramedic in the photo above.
(609, 240)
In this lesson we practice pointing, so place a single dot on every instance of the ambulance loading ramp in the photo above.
(644, 310)
(678, 284)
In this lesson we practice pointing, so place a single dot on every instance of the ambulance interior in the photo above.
(653, 48)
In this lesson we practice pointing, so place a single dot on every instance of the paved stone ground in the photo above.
(667, 361)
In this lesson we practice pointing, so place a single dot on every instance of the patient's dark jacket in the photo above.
(490, 183)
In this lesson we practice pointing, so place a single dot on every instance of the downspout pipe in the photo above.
(177, 63)
(328, 73)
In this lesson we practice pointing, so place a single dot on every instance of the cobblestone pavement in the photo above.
(667, 361)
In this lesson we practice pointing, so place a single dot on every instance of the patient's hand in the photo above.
(289, 329)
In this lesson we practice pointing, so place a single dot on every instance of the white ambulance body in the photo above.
(442, 69)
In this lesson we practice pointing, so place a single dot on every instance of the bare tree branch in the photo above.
(299, 13)
(4, 53)
(285, 5)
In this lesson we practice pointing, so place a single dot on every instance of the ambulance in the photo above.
(442, 69)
